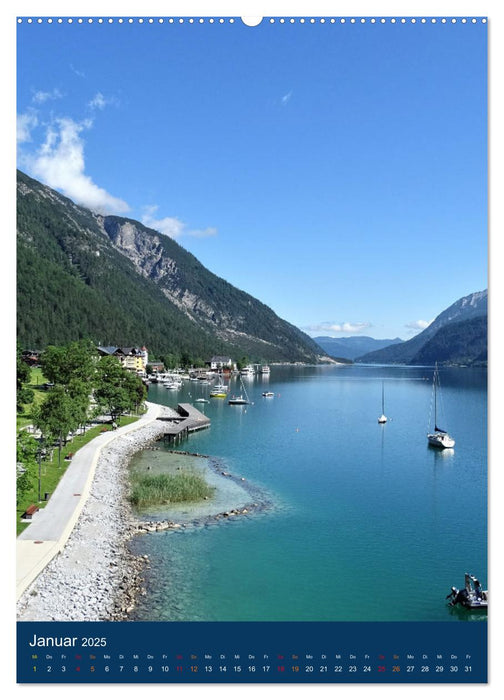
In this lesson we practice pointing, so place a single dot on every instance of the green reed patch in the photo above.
(159, 489)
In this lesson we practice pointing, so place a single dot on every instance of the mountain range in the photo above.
(352, 347)
(112, 279)
(86, 275)
(458, 335)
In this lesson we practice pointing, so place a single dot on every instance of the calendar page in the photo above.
(252, 300)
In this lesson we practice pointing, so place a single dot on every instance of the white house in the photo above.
(220, 362)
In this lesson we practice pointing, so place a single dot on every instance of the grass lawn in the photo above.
(51, 472)
(37, 380)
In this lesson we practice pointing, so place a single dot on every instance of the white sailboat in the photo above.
(220, 390)
(383, 417)
(438, 438)
(239, 400)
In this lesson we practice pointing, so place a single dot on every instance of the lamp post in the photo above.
(39, 455)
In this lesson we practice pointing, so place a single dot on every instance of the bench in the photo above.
(30, 512)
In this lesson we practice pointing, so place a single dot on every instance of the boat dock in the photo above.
(185, 420)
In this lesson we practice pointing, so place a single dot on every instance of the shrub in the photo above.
(160, 489)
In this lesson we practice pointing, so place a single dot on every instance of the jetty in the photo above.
(186, 419)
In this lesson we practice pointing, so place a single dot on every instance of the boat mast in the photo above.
(435, 397)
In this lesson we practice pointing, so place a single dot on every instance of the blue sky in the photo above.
(337, 172)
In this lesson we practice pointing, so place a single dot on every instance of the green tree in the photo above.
(57, 416)
(22, 369)
(26, 457)
(185, 359)
(136, 390)
(24, 394)
(171, 360)
(243, 362)
(117, 390)
(80, 394)
(77, 360)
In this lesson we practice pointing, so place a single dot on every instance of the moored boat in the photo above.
(471, 597)
(383, 417)
(439, 437)
(240, 400)
(172, 385)
(220, 390)
(248, 371)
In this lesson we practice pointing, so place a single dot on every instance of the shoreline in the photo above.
(97, 578)
(256, 501)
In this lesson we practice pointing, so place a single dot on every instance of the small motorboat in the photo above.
(201, 401)
(268, 394)
(471, 597)
(173, 385)
(248, 371)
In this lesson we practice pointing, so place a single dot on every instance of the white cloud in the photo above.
(173, 227)
(286, 98)
(40, 97)
(60, 163)
(98, 101)
(346, 327)
(418, 325)
(24, 125)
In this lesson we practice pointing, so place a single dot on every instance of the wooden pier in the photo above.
(187, 420)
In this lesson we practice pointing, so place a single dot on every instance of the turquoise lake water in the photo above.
(366, 523)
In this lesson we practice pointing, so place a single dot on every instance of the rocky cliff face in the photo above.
(150, 259)
(147, 251)
(111, 278)
(231, 314)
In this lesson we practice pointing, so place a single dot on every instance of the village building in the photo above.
(31, 357)
(220, 362)
(131, 358)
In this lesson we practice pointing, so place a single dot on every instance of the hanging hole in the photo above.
(252, 21)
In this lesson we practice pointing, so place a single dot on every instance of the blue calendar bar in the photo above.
(250, 652)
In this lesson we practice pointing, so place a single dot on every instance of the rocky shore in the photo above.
(96, 577)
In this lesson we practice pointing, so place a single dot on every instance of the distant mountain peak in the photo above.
(464, 310)
(353, 346)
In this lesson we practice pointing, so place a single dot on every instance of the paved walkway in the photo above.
(47, 535)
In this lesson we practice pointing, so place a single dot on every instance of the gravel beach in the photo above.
(95, 577)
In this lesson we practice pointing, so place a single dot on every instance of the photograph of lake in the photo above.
(252, 307)
(365, 522)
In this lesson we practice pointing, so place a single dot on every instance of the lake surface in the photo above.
(367, 522)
